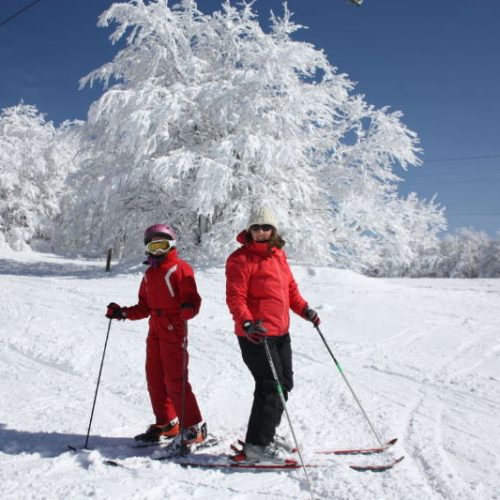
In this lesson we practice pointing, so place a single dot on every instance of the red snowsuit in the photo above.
(260, 285)
(162, 292)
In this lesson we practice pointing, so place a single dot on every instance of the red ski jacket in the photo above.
(165, 288)
(260, 285)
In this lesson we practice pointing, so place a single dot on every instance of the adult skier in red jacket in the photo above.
(169, 297)
(260, 291)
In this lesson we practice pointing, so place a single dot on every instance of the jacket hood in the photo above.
(242, 237)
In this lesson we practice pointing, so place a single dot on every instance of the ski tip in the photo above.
(71, 447)
(376, 468)
(391, 442)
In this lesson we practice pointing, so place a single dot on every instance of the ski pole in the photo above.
(350, 388)
(184, 382)
(97, 387)
(279, 390)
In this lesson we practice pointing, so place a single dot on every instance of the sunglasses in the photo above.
(159, 246)
(264, 227)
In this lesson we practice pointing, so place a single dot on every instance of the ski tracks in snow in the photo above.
(451, 416)
(434, 362)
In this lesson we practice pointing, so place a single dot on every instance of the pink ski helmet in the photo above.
(159, 230)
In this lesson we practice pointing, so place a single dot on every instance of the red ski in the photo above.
(360, 451)
(352, 451)
(222, 462)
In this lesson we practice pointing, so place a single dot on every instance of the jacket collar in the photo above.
(167, 259)
(255, 247)
(171, 256)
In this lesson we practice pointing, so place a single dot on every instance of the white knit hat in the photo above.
(262, 215)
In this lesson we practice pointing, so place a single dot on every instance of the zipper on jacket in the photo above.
(282, 293)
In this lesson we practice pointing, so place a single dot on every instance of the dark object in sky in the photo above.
(26, 7)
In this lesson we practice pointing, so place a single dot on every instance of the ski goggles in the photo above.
(264, 227)
(160, 246)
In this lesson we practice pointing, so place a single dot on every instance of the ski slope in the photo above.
(422, 355)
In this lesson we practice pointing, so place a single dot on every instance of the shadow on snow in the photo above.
(43, 269)
(54, 444)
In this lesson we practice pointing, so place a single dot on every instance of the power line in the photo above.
(461, 158)
(479, 214)
(5, 21)
(442, 182)
(418, 174)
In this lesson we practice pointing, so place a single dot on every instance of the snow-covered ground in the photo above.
(423, 356)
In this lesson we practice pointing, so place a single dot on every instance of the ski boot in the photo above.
(157, 432)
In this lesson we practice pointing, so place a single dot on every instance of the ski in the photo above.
(170, 455)
(237, 462)
(376, 468)
(359, 451)
(353, 451)
(257, 466)
(226, 463)
(218, 462)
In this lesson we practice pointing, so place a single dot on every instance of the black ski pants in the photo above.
(267, 408)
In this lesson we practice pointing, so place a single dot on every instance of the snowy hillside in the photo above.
(423, 356)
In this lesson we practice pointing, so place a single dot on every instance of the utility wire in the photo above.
(418, 174)
(5, 21)
(442, 182)
(461, 158)
(479, 214)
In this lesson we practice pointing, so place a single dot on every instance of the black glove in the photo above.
(187, 311)
(254, 331)
(115, 312)
(311, 315)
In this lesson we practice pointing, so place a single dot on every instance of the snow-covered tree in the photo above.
(204, 116)
(463, 254)
(405, 240)
(490, 259)
(35, 158)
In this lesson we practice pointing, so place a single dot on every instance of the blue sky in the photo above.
(436, 61)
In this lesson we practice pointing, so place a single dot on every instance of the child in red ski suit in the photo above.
(169, 297)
